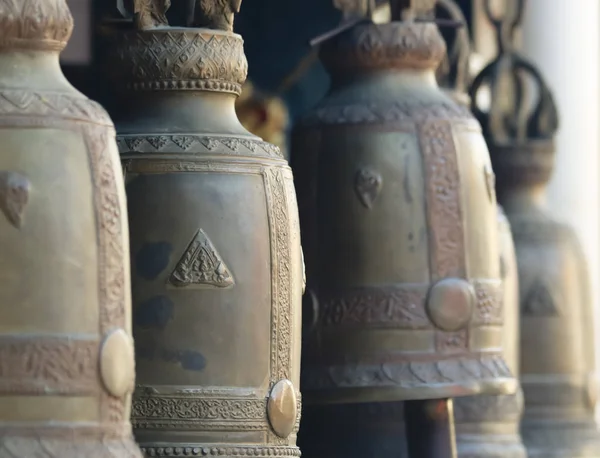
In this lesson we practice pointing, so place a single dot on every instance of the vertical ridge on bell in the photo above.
(67, 366)
(557, 335)
(215, 244)
(399, 227)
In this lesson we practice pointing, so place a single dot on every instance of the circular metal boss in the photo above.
(117, 363)
(450, 304)
(282, 408)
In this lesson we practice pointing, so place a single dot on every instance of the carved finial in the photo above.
(216, 14)
(509, 119)
(453, 73)
(152, 14)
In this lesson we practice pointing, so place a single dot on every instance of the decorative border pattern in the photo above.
(185, 59)
(17, 102)
(444, 216)
(197, 144)
(48, 365)
(406, 112)
(111, 229)
(279, 224)
(219, 450)
(408, 374)
(195, 410)
(402, 307)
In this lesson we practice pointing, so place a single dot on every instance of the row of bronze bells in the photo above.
(400, 228)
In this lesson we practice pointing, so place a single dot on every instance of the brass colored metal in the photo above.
(488, 426)
(401, 207)
(66, 352)
(557, 335)
(217, 263)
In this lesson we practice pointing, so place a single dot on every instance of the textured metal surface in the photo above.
(394, 198)
(66, 365)
(217, 264)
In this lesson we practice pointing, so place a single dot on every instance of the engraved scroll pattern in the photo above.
(281, 274)
(444, 216)
(32, 366)
(111, 232)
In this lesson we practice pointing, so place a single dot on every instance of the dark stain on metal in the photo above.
(152, 259)
(154, 313)
(192, 360)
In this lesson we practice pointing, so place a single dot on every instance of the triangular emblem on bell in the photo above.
(201, 265)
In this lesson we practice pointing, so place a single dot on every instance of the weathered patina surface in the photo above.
(215, 246)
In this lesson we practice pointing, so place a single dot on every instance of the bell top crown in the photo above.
(186, 46)
(511, 118)
(156, 14)
(520, 123)
(359, 45)
(453, 73)
(34, 24)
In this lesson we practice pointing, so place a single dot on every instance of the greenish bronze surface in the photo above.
(557, 324)
(215, 246)
(66, 353)
(399, 227)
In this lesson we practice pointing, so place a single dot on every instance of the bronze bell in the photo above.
(215, 245)
(399, 227)
(557, 335)
(487, 426)
(66, 353)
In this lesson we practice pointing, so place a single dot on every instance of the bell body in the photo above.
(488, 426)
(66, 352)
(401, 234)
(217, 264)
(557, 336)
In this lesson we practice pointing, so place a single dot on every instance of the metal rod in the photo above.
(430, 428)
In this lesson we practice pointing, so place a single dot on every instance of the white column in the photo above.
(563, 38)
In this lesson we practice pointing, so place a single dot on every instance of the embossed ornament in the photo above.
(201, 264)
(14, 195)
(368, 185)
